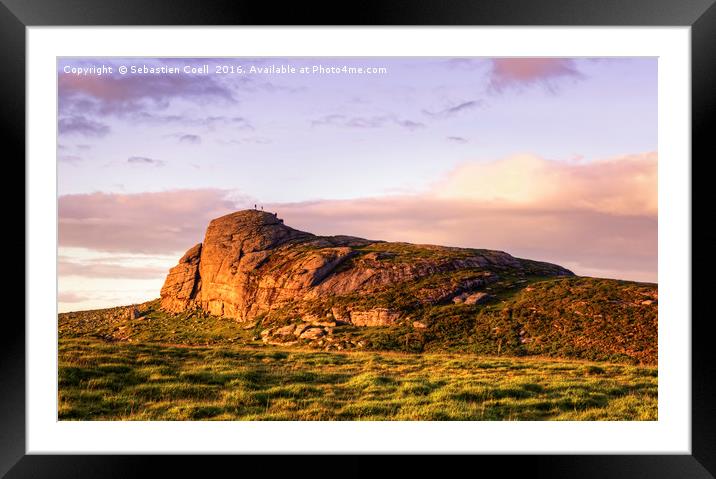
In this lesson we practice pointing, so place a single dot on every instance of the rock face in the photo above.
(251, 266)
(182, 283)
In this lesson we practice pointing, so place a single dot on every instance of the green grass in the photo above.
(154, 326)
(101, 380)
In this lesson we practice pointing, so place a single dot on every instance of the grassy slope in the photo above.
(587, 318)
(582, 318)
(145, 381)
(579, 318)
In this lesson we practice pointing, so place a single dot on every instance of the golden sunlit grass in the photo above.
(123, 381)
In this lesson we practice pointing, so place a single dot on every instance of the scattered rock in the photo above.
(374, 317)
(285, 330)
(300, 328)
(472, 298)
(325, 324)
(312, 333)
(478, 298)
(275, 342)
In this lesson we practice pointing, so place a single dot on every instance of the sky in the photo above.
(552, 159)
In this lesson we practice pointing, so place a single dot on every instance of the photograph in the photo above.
(352, 238)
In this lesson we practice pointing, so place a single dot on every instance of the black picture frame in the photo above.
(700, 15)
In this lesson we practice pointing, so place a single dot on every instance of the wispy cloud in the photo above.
(410, 124)
(236, 122)
(457, 139)
(376, 121)
(80, 125)
(464, 63)
(453, 110)
(70, 159)
(191, 139)
(208, 122)
(143, 160)
(255, 140)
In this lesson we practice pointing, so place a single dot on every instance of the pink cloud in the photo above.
(625, 185)
(518, 72)
(159, 222)
(70, 297)
(110, 269)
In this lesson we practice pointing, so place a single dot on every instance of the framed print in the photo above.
(420, 229)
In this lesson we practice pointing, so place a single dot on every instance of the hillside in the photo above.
(255, 280)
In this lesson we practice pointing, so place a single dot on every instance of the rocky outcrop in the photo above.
(375, 317)
(472, 298)
(251, 265)
(182, 283)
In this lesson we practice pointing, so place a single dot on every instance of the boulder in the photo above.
(478, 298)
(374, 317)
(312, 333)
(285, 330)
(130, 312)
(300, 328)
